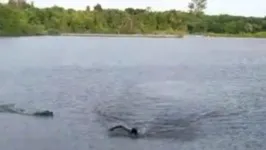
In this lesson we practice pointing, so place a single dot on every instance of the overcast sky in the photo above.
(234, 7)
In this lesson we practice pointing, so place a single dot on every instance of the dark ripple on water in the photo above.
(172, 109)
(236, 114)
(211, 97)
(159, 118)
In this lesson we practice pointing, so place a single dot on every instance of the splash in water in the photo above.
(133, 132)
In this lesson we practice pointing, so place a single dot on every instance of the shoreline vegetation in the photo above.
(19, 18)
(241, 35)
(124, 35)
(255, 35)
(116, 35)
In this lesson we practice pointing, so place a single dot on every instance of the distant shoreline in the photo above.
(123, 35)
(261, 35)
(241, 35)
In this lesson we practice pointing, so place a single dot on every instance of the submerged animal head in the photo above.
(45, 113)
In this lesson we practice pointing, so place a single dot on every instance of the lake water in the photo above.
(191, 93)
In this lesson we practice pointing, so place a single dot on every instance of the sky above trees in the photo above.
(232, 7)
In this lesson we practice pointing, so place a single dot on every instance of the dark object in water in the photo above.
(134, 131)
(131, 132)
(10, 108)
(45, 113)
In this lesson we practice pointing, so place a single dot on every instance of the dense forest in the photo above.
(21, 18)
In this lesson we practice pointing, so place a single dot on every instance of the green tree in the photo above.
(98, 7)
(197, 6)
(21, 18)
(88, 8)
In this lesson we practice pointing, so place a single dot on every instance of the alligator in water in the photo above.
(10, 108)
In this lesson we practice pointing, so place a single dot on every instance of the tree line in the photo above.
(21, 18)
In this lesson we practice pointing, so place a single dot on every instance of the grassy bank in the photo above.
(136, 35)
(124, 35)
(241, 35)
(54, 32)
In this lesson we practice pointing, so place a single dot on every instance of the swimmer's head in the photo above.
(134, 131)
